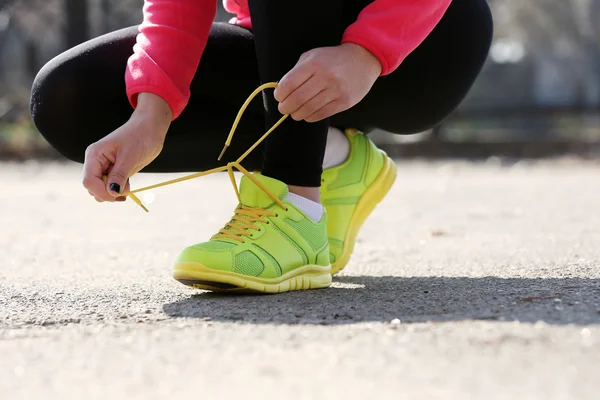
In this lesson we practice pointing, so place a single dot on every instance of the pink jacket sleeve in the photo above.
(392, 29)
(167, 53)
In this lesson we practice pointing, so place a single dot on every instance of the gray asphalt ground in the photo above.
(470, 281)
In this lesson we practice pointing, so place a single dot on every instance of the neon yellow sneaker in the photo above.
(351, 191)
(268, 246)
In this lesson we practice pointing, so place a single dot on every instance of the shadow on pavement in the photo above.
(355, 299)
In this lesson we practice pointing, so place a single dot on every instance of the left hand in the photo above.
(326, 81)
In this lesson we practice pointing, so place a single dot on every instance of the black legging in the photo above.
(79, 96)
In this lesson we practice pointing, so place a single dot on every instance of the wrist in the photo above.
(366, 57)
(154, 109)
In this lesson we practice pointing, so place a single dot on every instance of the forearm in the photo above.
(168, 48)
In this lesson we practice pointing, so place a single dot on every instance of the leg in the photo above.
(79, 97)
(282, 33)
(418, 95)
(277, 240)
(433, 80)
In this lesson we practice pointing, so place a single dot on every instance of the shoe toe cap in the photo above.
(208, 255)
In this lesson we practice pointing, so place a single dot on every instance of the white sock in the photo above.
(312, 209)
(337, 150)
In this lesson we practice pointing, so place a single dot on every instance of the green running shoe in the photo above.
(351, 191)
(269, 246)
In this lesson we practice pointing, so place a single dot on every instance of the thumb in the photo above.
(119, 175)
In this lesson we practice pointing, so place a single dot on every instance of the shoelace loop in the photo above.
(230, 166)
(244, 220)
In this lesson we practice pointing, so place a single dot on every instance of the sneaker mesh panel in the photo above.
(316, 238)
(247, 263)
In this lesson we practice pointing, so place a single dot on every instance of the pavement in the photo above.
(470, 281)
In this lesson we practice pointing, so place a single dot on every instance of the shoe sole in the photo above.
(367, 203)
(199, 276)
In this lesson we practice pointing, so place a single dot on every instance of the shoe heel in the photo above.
(365, 206)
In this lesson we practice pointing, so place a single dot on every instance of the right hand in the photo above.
(127, 150)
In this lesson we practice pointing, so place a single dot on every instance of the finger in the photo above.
(302, 72)
(127, 190)
(99, 200)
(119, 175)
(93, 169)
(301, 95)
(326, 111)
(128, 186)
(313, 105)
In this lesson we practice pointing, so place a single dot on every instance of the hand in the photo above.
(326, 81)
(127, 150)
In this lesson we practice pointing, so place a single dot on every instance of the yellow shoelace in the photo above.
(244, 217)
(243, 221)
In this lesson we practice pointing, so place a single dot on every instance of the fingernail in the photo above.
(121, 199)
(115, 187)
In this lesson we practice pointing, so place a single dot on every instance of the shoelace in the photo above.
(242, 222)
(245, 217)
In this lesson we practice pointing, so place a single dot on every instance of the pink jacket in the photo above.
(174, 33)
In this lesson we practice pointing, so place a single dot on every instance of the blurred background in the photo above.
(538, 96)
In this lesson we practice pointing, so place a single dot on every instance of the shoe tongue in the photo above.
(254, 196)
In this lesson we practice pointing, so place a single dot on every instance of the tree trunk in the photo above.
(77, 27)
(106, 8)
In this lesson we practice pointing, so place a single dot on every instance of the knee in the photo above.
(49, 96)
(50, 102)
(485, 31)
(488, 19)
(476, 30)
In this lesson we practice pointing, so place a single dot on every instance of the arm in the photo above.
(166, 55)
(392, 29)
